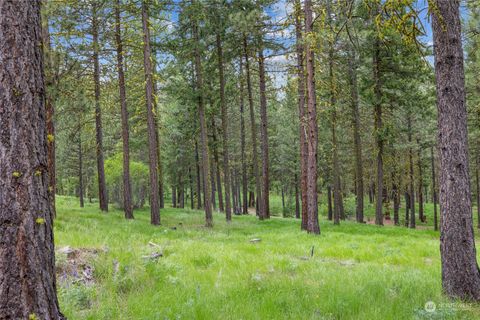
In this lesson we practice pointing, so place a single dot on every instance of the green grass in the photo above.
(357, 271)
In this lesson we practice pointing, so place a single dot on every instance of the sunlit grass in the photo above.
(356, 271)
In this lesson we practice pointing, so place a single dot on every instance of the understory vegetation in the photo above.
(247, 269)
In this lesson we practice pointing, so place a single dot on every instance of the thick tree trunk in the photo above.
(301, 112)
(151, 127)
(203, 126)
(127, 193)
(312, 129)
(412, 178)
(243, 141)
(253, 126)
(352, 76)
(460, 273)
(378, 131)
(102, 187)
(174, 196)
(264, 133)
(223, 109)
(27, 255)
(434, 191)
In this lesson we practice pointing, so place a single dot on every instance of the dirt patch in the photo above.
(74, 265)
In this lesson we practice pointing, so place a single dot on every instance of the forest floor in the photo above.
(109, 268)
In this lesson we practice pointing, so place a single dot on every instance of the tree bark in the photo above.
(420, 184)
(378, 130)
(253, 126)
(199, 189)
(329, 203)
(434, 191)
(352, 76)
(264, 133)
(301, 112)
(312, 129)
(50, 81)
(412, 178)
(27, 255)
(223, 109)
(217, 167)
(102, 187)
(80, 170)
(243, 142)
(337, 193)
(297, 199)
(127, 191)
(151, 127)
(203, 125)
(191, 188)
(460, 273)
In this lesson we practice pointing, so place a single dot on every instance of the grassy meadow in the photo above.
(245, 270)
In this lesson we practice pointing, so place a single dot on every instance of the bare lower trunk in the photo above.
(420, 185)
(434, 191)
(460, 273)
(329, 203)
(412, 178)
(352, 75)
(264, 134)
(80, 170)
(199, 189)
(27, 255)
(378, 132)
(102, 187)
(223, 109)
(253, 126)
(151, 126)
(312, 129)
(203, 127)
(301, 112)
(243, 142)
(127, 193)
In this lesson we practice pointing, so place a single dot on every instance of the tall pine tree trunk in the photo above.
(264, 133)
(378, 130)
(420, 184)
(253, 126)
(243, 142)
(151, 127)
(460, 273)
(352, 76)
(203, 126)
(127, 193)
(312, 129)
(412, 178)
(27, 255)
(223, 109)
(102, 187)
(301, 112)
